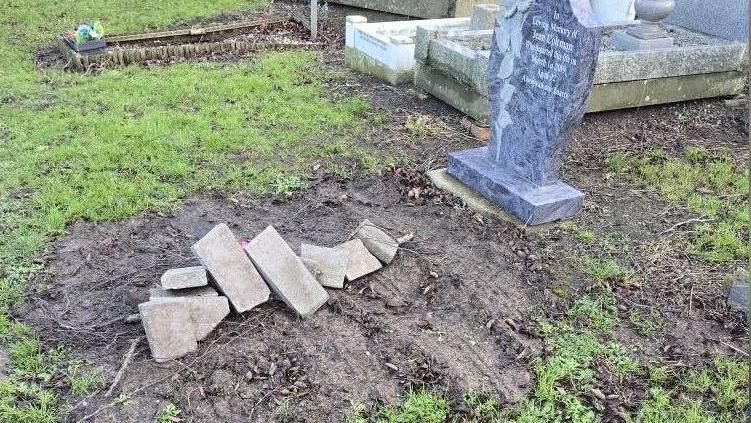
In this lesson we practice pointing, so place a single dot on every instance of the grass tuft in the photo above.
(712, 187)
(170, 413)
(418, 407)
(608, 270)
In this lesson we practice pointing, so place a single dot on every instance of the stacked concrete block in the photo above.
(188, 307)
(187, 277)
(382, 245)
(168, 329)
(206, 313)
(235, 276)
(285, 273)
(328, 265)
(203, 291)
(361, 261)
(174, 325)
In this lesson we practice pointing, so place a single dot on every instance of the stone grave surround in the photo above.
(542, 66)
(426, 9)
(386, 50)
(453, 67)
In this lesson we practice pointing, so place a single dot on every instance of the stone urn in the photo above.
(654, 11)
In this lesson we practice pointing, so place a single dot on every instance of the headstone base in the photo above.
(530, 203)
(626, 41)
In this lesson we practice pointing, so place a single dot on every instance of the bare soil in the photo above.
(435, 317)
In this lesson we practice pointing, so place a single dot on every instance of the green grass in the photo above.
(418, 407)
(578, 350)
(714, 188)
(585, 236)
(608, 270)
(420, 126)
(170, 413)
(132, 140)
(617, 162)
(113, 145)
(599, 312)
(82, 381)
(646, 324)
(24, 402)
(357, 414)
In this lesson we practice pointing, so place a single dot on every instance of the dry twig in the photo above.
(126, 363)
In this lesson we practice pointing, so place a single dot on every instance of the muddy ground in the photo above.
(428, 319)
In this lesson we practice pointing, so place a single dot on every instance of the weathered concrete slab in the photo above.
(206, 313)
(202, 291)
(472, 199)
(361, 261)
(386, 50)
(328, 265)
(442, 180)
(168, 329)
(382, 245)
(285, 273)
(452, 92)
(237, 279)
(186, 277)
(650, 92)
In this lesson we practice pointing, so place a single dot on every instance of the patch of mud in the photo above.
(382, 334)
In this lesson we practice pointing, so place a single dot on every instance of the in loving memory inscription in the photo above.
(550, 49)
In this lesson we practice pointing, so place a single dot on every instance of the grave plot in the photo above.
(452, 67)
(448, 58)
(386, 50)
(212, 41)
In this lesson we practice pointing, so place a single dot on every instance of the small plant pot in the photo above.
(93, 46)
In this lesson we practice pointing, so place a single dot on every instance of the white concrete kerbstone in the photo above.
(221, 254)
(328, 265)
(285, 273)
(378, 242)
(168, 328)
(186, 277)
(202, 291)
(361, 261)
(206, 313)
(387, 49)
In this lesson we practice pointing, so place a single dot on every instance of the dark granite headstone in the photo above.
(542, 65)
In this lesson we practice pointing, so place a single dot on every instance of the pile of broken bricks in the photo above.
(190, 304)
